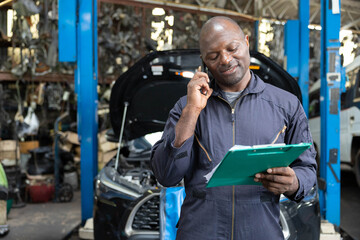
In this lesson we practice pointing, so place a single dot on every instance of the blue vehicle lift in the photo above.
(330, 73)
(292, 49)
(297, 52)
(304, 12)
(78, 44)
(297, 62)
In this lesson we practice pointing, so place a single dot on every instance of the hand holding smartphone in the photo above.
(204, 69)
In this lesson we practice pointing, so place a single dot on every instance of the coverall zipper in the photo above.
(233, 187)
(202, 147)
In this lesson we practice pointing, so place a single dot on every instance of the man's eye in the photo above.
(212, 57)
(233, 49)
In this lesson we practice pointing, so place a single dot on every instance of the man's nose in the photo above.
(225, 58)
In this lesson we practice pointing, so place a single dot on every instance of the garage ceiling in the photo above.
(285, 9)
(274, 9)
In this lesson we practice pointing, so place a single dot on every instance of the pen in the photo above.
(277, 136)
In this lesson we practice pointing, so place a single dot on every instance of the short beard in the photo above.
(230, 83)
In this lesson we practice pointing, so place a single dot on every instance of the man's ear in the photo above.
(247, 40)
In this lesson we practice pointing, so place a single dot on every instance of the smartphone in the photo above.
(205, 69)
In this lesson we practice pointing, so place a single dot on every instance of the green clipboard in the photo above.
(241, 163)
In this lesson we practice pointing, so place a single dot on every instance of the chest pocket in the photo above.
(202, 154)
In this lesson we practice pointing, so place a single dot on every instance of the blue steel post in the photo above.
(304, 9)
(87, 101)
(67, 53)
(330, 72)
(78, 43)
(292, 45)
(67, 31)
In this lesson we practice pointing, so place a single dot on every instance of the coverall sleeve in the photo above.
(305, 165)
(171, 164)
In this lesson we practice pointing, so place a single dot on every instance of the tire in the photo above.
(357, 168)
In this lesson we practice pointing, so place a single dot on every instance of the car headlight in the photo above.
(109, 178)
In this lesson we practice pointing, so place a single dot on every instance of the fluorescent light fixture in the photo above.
(10, 20)
(314, 26)
(158, 12)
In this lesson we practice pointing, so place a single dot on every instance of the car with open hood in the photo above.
(127, 195)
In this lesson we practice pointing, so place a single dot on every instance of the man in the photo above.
(239, 109)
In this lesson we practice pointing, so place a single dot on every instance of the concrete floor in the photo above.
(56, 221)
(44, 221)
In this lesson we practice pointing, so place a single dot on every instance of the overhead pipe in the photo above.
(183, 7)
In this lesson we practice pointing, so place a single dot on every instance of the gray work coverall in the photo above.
(233, 212)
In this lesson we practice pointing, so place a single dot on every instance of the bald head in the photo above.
(218, 24)
(225, 51)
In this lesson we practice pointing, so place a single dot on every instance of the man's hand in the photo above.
(198, 91)
(280, 180)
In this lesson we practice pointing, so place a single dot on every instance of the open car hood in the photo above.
(152, 86)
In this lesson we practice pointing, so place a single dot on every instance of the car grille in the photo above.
(147, 217)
